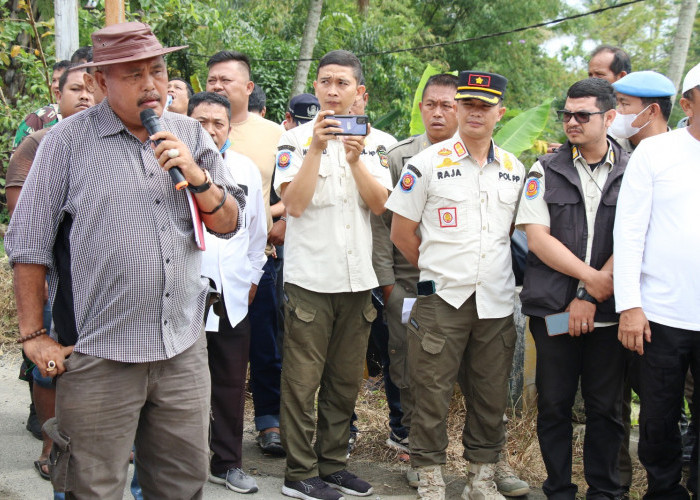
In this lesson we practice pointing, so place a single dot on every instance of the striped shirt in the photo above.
(105, 219)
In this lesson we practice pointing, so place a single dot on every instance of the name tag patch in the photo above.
(448, 216)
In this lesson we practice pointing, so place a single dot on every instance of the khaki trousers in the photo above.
(103, 407)
(325, 341)
(440, 339)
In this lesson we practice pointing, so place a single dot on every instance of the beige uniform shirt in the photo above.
(465, 213)
(329, 248)
(533, 209)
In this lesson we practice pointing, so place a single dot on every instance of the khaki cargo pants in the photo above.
(440, 338)
(325, 343)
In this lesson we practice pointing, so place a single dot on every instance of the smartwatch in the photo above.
(582, 294)
(204, 186)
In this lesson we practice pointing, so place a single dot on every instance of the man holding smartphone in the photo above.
(462, 193)
(569, 226)
(329, 185)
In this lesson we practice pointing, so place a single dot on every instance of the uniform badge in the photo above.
(532, 190)
(287, 147)
(407, 182)
(479, 80)
(444, 152)
(459, 149)
(284, 158)
(448, 216)
(447, 163)
(383, 158)
(414, 170)
(507, 163)
(575, 152)
(307, 143)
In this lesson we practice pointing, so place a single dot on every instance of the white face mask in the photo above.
(622, 125)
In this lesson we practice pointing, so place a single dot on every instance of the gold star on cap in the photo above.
(479, 80)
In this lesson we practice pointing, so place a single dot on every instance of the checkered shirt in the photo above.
(135, 268)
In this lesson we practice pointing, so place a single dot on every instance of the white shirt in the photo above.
(329, 248)
(657, 231)
(465, 213)
(236, 263)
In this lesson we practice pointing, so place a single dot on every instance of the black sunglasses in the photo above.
(581, 116)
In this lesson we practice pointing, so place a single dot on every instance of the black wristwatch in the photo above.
(582, 294)
(204, 186)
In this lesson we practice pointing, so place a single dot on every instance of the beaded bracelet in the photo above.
(283, 218)
(37, 333)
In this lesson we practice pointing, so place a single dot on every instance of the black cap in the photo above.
(488, 87)
(303, 108)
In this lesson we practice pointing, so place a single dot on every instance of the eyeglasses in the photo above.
(581, 116)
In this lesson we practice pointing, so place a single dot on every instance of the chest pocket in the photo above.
(503, 211)
(448, 209)
(325, 193)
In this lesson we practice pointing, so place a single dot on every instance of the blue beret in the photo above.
(645, 84)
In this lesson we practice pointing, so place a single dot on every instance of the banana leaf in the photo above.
(384, 122)
(416, 118)
(520, 133)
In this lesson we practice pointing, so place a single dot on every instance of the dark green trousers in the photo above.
(440, 338)
(325, 341)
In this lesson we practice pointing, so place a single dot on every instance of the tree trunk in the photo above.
(66, 19)
(308, 41)
(681, 40)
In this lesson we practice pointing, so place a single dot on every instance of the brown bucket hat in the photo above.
(125, 42)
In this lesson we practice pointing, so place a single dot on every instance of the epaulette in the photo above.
(405, 142)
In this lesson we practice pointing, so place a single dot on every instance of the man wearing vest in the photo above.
(567, 210)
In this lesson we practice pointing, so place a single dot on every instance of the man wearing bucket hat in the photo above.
(118, 242)
(462, 193)
(656, 271)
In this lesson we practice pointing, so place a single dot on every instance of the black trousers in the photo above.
(597, 359)
(662, 378)
(228, 363)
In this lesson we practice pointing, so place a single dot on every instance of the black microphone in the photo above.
(150, 121)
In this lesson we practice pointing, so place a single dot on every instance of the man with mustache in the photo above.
(101, 214)
(567, 210)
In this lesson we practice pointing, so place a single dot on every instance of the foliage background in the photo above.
(270, 33)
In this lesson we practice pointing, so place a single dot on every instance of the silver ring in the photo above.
(173, 153)
(51, 366)
(584, 324)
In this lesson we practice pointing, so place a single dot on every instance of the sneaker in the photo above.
(397, 443)
(270, 443)
(349, 483)
(480, 484)
(412, 477)
(352, 441)
(235, 480)
(508, 482)
(431, 485)
(312, 488)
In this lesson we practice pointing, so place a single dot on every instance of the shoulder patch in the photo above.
(414, 170)
(383, 158)
(535, 174)
(532, 189)
(287, 147)
(284, 159)
(408, 180)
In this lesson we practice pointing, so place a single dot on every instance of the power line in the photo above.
(474, 38)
